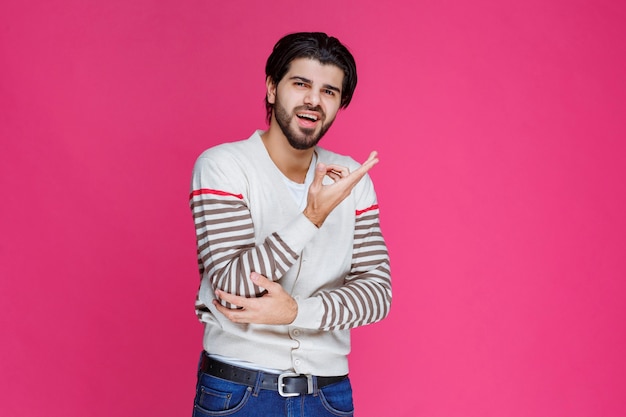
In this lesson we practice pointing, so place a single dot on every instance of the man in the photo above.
(289, 247)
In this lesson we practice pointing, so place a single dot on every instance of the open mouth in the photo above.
(307, 116)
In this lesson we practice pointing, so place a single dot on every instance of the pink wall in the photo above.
(501, 130)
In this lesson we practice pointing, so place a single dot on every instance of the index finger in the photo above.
(367, 165)
(233, 299)
(373, 158)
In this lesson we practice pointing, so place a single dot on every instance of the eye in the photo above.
(299, 84)
(329, 92)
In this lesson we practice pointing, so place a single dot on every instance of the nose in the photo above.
(312, 97)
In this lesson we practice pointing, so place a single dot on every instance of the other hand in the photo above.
(276, 306)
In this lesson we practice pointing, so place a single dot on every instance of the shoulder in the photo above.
(231, 150)
(232, 155)
(227, 167)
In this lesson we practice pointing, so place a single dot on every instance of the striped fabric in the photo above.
(226, 251)
(366, 296)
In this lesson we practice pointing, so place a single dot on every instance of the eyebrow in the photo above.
(306, 80)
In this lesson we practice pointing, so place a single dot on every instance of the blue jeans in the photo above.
(218, 397)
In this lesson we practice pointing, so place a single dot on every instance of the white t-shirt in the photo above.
(299, 191)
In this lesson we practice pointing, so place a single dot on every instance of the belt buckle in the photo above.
(281, 385)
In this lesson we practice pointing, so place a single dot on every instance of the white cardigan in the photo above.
(246, 220)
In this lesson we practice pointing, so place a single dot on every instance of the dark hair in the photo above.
(315, 45)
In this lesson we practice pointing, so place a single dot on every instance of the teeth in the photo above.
(308, 116)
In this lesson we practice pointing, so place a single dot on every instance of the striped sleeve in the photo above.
(366, 295)
(227, 253)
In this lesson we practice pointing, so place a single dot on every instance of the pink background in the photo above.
(501, 130)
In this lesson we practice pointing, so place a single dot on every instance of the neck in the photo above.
(293, 163)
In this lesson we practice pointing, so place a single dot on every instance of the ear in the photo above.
(271, 90)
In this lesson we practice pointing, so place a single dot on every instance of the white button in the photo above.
(297, 362)
(296, 332)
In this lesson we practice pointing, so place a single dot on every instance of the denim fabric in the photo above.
(218, 397)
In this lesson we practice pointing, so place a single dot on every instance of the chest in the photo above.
(327, 257)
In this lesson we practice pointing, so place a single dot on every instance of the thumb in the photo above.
(320, 173)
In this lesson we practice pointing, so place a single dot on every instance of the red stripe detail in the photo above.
(370, 208)
(215, 192)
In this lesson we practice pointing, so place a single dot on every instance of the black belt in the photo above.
(287, 384)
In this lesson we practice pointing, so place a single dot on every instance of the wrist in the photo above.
(316, 220)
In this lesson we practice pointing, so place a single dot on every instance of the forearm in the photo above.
(365, 296)
(226, 243)
(364, 300)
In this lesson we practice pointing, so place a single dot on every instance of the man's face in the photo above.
(306, 101)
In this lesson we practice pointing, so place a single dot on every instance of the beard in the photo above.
(300, 138)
